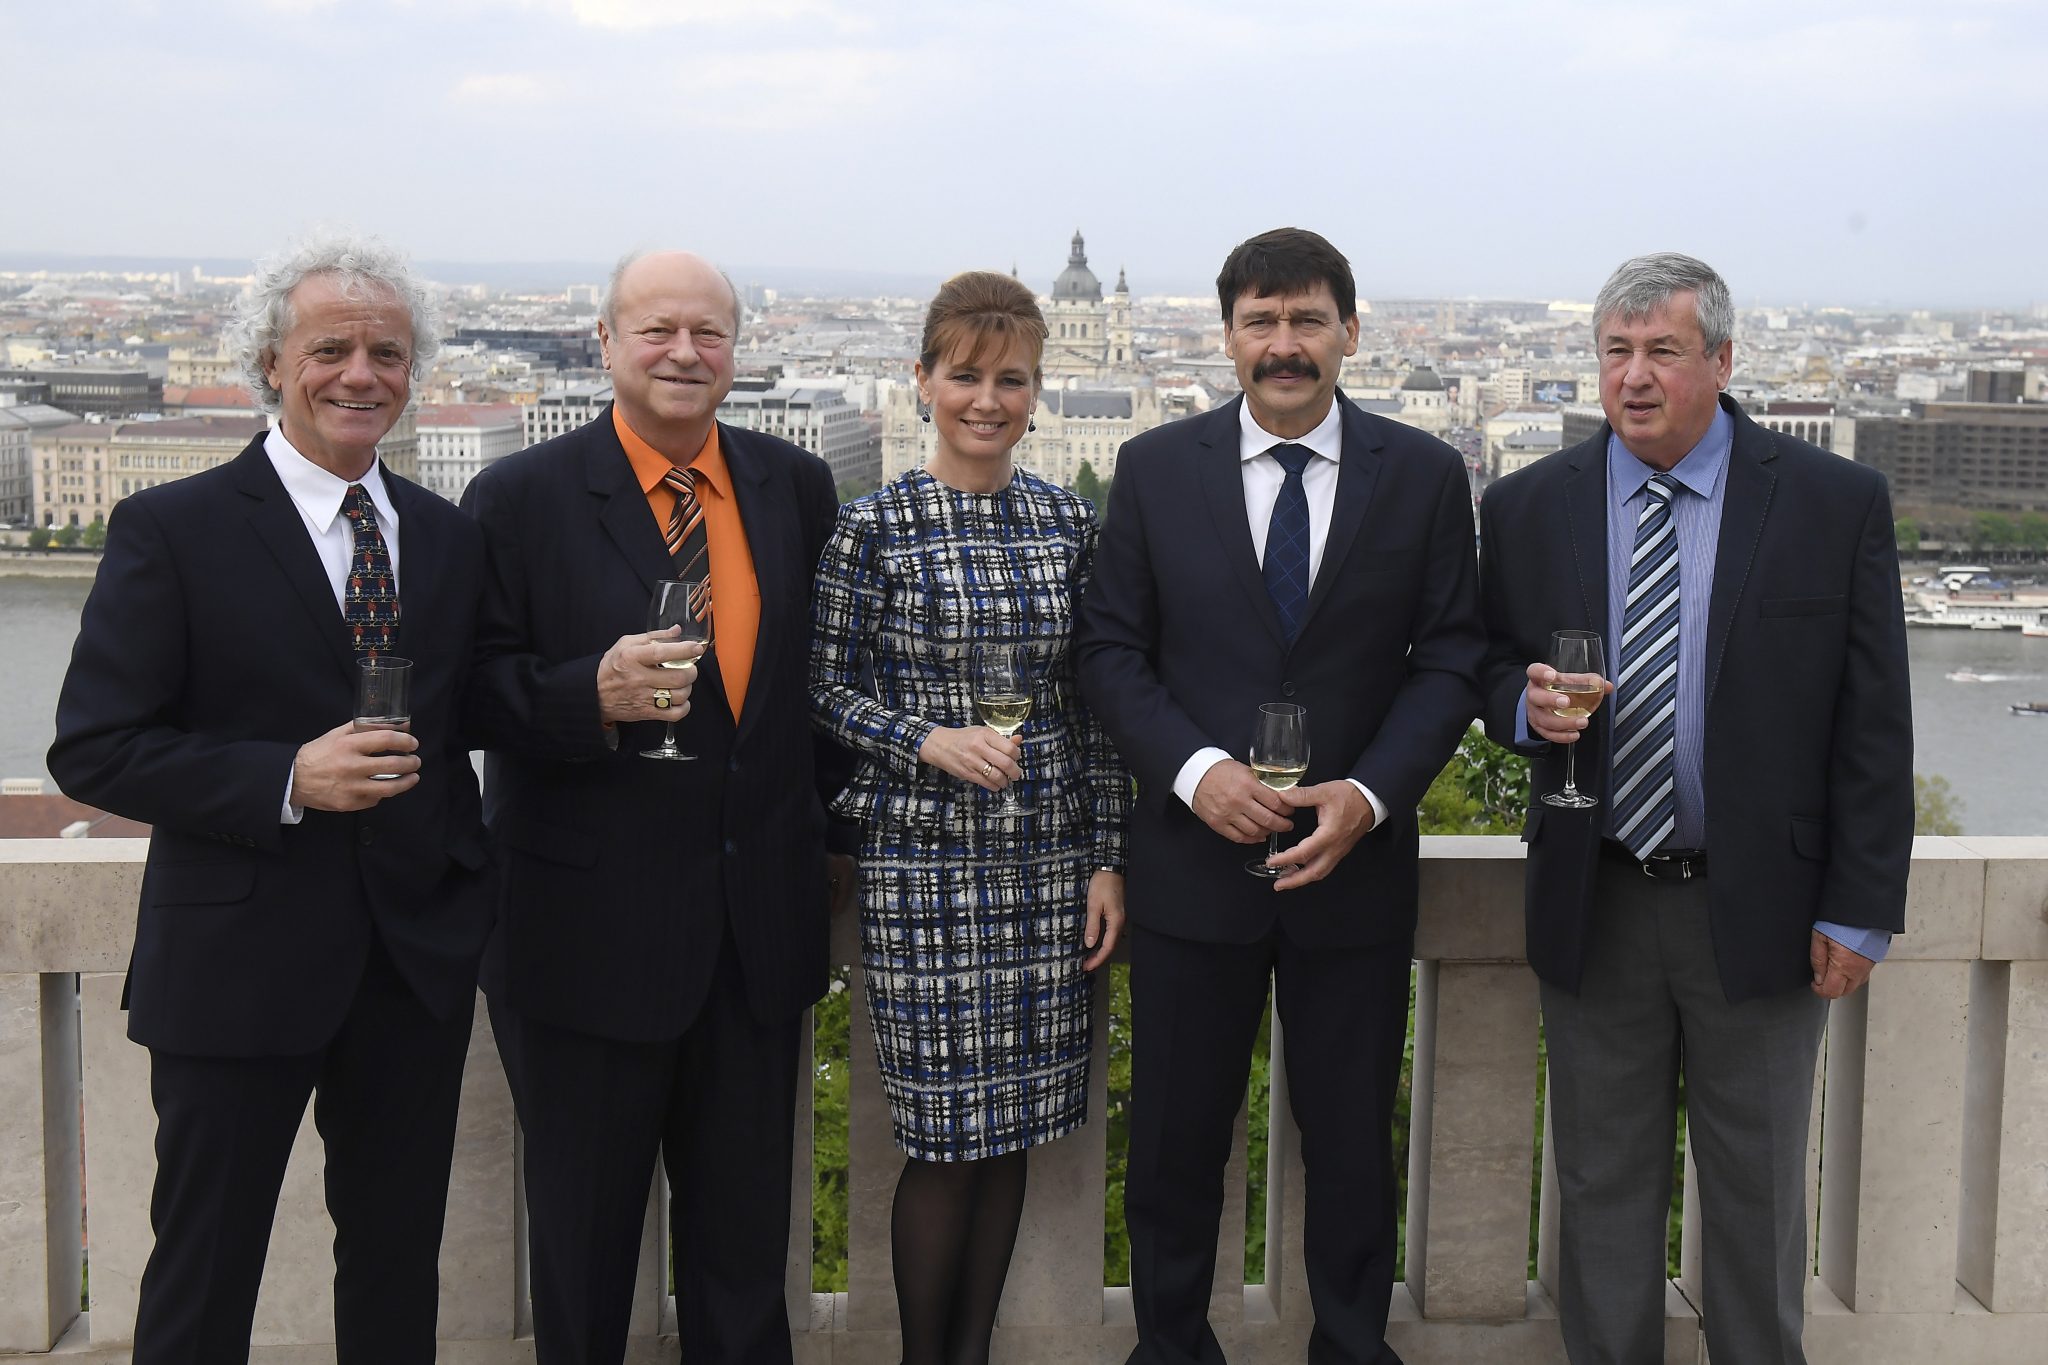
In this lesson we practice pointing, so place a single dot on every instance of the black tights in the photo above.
(952, 1232)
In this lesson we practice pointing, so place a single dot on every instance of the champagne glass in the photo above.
(681, 602)
(1279, 759)
(1576, 655)
(383, 697)
(1000, 683)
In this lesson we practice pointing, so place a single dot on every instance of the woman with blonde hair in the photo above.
(991, 868)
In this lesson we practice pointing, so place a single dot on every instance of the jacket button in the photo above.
(1287, 689)
(363, 837)
(732, 765)
(731, 847)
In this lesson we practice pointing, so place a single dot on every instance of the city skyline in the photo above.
(1861, 155)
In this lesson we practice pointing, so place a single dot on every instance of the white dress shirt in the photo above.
(318, 496)
(1263, 477)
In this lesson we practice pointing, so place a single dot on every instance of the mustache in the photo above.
(1298, 366)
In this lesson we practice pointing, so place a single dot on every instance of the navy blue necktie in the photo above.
(1286, 566)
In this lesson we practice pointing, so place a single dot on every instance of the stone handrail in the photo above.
(1932, 1130)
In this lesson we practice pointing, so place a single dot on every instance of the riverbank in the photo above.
(43, 564)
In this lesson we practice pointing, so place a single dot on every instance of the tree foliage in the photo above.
(94, 537)
(1936, 808)
(39, 538)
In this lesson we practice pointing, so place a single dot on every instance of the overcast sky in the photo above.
(1812, 151)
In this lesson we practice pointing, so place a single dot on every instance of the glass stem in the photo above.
(1272, 845)
(1571, 760)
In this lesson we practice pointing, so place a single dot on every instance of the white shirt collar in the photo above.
(1327, 440)
(316, 492)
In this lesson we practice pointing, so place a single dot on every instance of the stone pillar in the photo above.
(797, 1274)
(2004, 1243)
(872, 1165)
(480, 1237)
(1056, 1276)
(1471, 1119)
(1892, 1139)
(120, 1157)
(1286, 1287)
(41, 1247)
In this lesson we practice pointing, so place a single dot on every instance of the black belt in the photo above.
(1666, 864)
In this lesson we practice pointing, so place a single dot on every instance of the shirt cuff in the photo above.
(1379, 807)
(291, 815)
(1872, 943)
(1193, 771)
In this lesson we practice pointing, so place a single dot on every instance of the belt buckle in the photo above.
(1684, 866)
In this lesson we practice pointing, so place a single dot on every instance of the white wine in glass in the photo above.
(679, 602)
(1578, 658)
(1000, 682)
(1279, 759)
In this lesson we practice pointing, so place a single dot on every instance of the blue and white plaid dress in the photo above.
(971, 922)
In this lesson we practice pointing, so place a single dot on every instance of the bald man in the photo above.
(662, 927)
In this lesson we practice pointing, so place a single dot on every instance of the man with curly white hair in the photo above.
(314, 904)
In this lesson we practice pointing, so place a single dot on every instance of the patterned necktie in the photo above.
(369, 600)
(1286, 566)
(1646, 718)
(688, 545)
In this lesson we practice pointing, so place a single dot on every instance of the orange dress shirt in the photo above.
(735, 592)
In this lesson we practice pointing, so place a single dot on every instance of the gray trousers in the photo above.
(1651, 1005)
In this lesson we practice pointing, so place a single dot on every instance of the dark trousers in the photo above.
(1195, 1011)
(385, 1092)
(1649, 1005)
(719, 1104)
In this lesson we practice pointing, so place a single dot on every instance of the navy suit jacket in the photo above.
(1809, 757)
(1179, 644)
(622, 873)
(211, 648)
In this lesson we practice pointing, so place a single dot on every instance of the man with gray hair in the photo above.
(1736, 855)
(663, 923)
(314, 902)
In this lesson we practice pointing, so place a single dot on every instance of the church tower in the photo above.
(1121, 354)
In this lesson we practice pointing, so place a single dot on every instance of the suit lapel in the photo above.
(623, 513)
(1744, 505)
(1585, 520)
(276, 521)
(1358, 470)
(761, 513)
(419, 564)
(1222, 477)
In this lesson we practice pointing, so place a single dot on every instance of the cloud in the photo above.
(633, 15)
(505, 87)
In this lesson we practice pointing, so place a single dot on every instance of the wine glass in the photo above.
(681, 602)
(1000, 683)
(1576, 655)
(1279, 758)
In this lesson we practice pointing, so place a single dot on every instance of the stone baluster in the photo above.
(41, 1247)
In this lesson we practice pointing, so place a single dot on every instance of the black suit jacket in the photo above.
(1179, 644)
(622, 872)
(211, 648)
(1809, 757)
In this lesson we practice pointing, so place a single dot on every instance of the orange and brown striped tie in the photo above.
(688, 546)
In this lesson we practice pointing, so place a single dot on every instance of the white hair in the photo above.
(360, 265)
(1641, 286)
(607, 305)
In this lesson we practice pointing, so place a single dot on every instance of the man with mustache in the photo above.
(1286, 548)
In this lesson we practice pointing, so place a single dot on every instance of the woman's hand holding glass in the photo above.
(974, 753)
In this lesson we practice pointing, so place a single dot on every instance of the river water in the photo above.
(1996, 763)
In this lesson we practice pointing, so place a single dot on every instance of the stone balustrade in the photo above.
(1929, 1160)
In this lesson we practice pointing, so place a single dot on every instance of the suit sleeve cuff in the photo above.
(1379, 807)
(1193, 771)
(1871, 943)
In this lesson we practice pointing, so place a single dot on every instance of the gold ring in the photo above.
(987, 771)
(662, 700)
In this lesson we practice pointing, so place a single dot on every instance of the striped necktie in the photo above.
(689, 548)
(1646, 691)
(369, 600)
(1286, 567)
